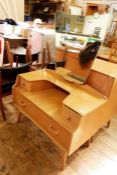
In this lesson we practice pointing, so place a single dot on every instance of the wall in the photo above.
(12, 9)
(74, 10)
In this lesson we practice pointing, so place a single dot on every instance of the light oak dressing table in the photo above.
(68, 113)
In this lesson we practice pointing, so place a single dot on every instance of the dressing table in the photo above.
(68, 113)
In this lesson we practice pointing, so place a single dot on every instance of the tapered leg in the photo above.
(19, 117)
(63, 160)
(108, 124)
(87, 143)
(2, 110)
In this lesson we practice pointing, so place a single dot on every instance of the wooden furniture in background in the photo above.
(44, 10)
(108, 53)
(44, 59)
(93, 8)
(70, 114)
(13, 46)
(8, 76)
(9, 53)
(60, 53)
(1, 50)
(9, 72)
(111, 35)
(113, 53)
(104, 53)
(17, 61)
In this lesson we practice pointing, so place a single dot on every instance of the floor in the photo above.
(25, 150)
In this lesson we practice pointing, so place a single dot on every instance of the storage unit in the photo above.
(93, 8)
(74, 113)
(44, 10)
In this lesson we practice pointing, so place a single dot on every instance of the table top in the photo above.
(12, 36)
(21, 51)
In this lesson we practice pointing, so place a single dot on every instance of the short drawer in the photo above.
(24, 84)
(58, 134)
(70, 117)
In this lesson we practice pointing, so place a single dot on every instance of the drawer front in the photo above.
(24, 84)
(35, 85)
(52, 128)
(70, 117)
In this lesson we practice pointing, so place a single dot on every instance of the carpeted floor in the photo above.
(24, 148)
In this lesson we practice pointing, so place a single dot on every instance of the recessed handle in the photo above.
(69, 118)
(22, 103)
(53, 129)
(23, 84)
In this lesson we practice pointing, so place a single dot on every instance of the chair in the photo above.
(20, 54)
(7, 79)
(113, 53)
(1, 50)
(1, 103)
(9, 54)
(104, 53)
(8, 74)
(44, 59)
(26, 56)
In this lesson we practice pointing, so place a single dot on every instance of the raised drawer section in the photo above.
(51, 127)
(35, 85)
(70, 117)
(24, 84)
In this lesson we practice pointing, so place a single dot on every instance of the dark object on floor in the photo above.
(9, 75)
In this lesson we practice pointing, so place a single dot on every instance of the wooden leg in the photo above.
(91, 140)
(63, 160)
(87, 143)
(2, 110)
(108, 124)
(19, 117)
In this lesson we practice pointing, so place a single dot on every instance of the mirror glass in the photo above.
(83, 25)
(77, 31)
(69, 23)
(79, 64)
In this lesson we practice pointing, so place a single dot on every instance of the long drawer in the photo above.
(58, 134)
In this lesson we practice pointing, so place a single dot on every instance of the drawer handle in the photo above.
(23, 84)
(69, 119)
(22, 103)
(53, 130)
